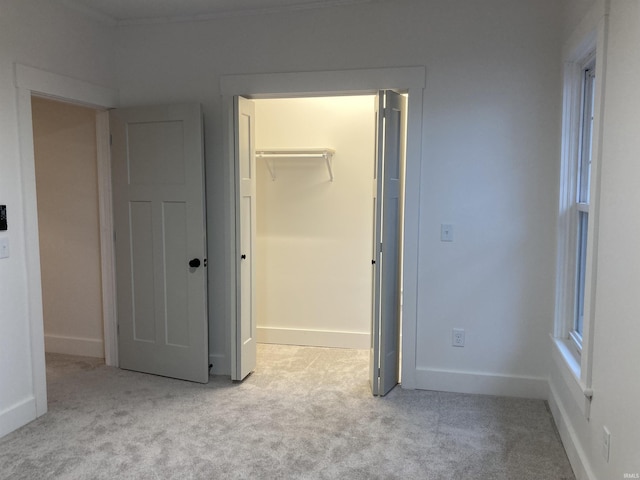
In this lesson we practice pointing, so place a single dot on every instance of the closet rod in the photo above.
(319, 153)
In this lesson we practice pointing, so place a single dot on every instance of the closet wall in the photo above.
(314, 236)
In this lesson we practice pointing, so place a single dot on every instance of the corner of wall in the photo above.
(576, 454)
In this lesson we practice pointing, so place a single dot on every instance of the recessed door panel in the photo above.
(245, 267)
(176, 283)
(144, 325)
(245, 134)
(156, 153)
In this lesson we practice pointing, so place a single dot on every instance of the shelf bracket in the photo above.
(328, 158)
(272, 170)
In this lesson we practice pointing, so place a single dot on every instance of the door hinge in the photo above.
(380, 246)
(378, 373)
(118, 329)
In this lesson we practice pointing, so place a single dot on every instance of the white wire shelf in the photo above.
(270, 154)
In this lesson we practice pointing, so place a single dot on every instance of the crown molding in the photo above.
(91, 13)
(214, 15)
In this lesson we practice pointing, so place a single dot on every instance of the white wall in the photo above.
(35, 33)
(489, 161)
(64, 138)
(615, 380)
(314, 236)
(573, 12)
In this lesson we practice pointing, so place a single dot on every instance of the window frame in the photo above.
(582, 182)
(572, 369)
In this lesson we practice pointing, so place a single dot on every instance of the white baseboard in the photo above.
(481, 383)
(17, 415)
(85, 347)
(313, 338)
(575, 453)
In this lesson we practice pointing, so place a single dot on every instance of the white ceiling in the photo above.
(135, 11)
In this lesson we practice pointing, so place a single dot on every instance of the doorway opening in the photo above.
(314, 225)
(68, 221)
(316, 249)
(66, 171)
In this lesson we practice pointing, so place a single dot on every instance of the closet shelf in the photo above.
(270, 154)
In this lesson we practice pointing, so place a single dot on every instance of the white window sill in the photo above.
(568, 364)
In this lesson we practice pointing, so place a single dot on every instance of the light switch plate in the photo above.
(446, 233)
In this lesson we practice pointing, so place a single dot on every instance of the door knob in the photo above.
(194, 263)
(243, 256)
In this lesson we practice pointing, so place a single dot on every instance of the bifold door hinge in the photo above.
(110, 139)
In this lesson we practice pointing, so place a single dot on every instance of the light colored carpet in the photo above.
(306, 413)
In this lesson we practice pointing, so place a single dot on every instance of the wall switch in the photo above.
(457, 339)
(606, 443)
(4, 247)
(446, 233)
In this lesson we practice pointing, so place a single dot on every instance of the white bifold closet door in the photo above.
(390, 145)
(245, 164)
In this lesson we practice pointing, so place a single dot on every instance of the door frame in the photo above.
(326, 83)
(33, 81)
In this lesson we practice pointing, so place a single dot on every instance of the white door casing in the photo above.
(159, 218)
(244, 115)
(390, 146)
(33, 81)
(364, 81)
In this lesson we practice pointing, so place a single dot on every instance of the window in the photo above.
(576, 274)
(582, 197)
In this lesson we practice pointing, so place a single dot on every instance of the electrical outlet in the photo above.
(606, 443)
(457, 339)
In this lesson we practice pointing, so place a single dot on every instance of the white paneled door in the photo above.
(388, 172)
(245, 161)
(159, 217)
